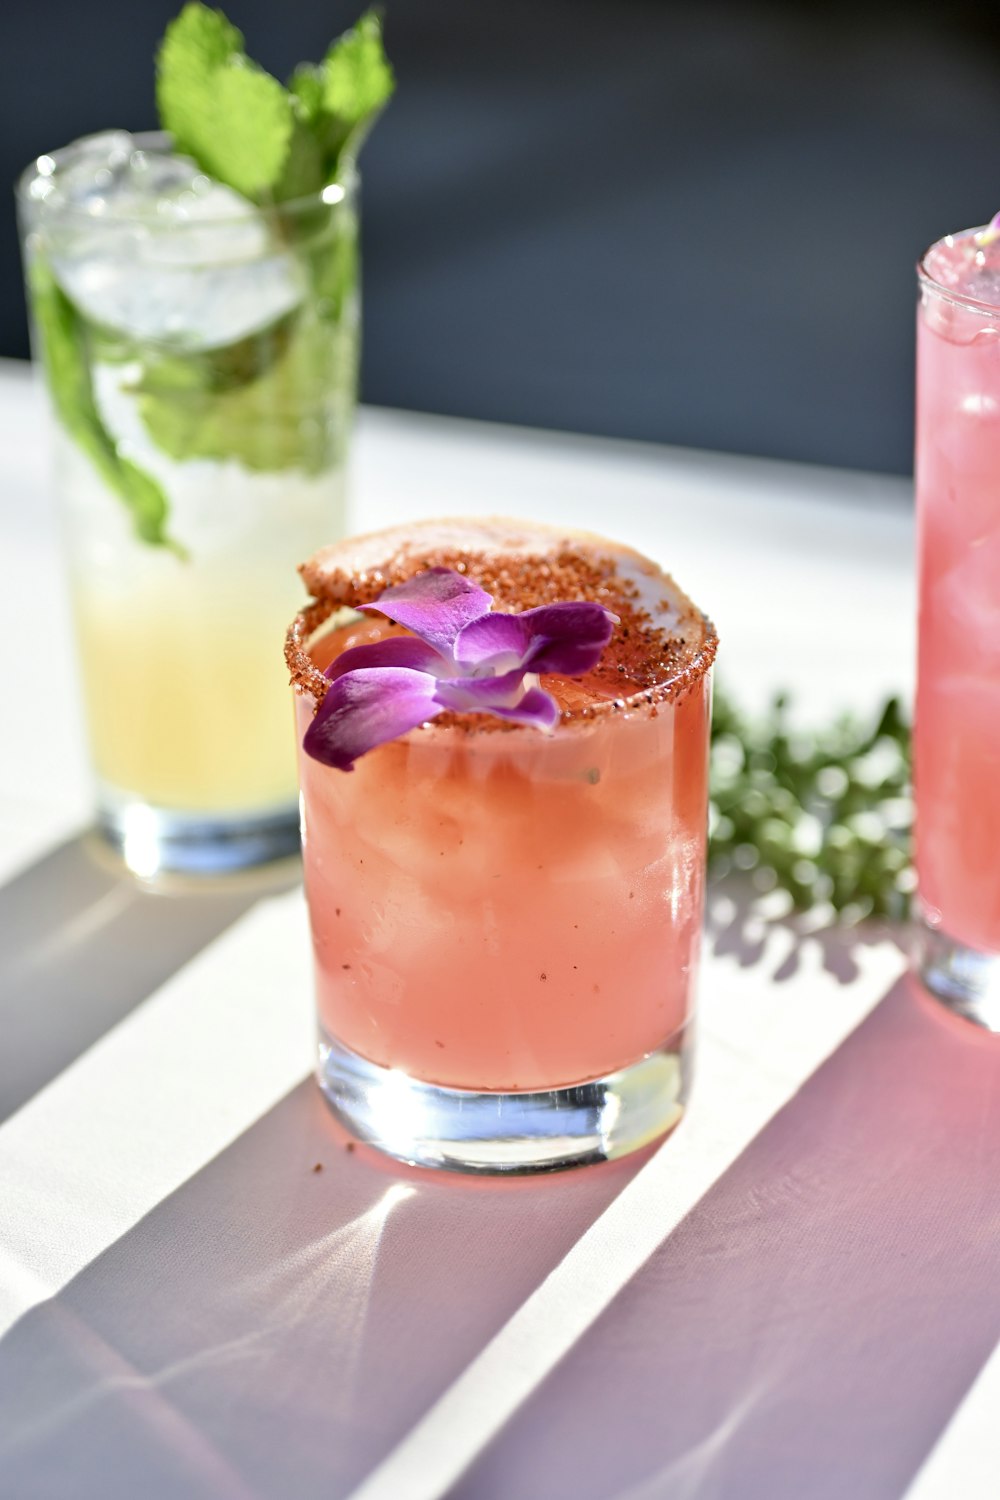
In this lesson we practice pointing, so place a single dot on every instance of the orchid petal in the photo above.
(494, 640)
(394, 651)
(538, 709)
(436, 605)
(568, 638)
(481, 694)
(366, 708)
(505, 697)
(564, 638)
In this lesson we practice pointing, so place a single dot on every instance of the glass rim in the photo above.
(159, 141)
(347, 585)
(309, 681)
(928, 282)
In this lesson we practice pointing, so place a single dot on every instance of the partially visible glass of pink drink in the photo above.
(506, 923)
(957, 734)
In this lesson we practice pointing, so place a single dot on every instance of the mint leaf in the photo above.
(294, 415)
(306, 85)
(340, 100)
(304, 172)
(221, 368)
(222, 109)
(251, 131)
(147, 503)
(244, 129)
(194, 46)
(62, 346)
(357, 80)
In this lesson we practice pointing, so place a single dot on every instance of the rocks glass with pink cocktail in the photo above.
(504, 745)
(957, 738)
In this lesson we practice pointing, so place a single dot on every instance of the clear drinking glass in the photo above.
(507, 924)
(957, 731)
(200, 356)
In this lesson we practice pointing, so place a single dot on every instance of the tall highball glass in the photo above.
(957, 732)
(200, 357)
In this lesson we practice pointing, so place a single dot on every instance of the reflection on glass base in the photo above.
(465, 1131)
(964, 979)
(152, 841)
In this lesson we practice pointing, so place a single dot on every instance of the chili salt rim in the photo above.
(523, 564)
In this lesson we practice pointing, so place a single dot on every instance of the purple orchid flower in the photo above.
(459, 656)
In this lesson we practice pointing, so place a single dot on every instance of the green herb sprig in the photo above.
(823, 815)
(244, 128)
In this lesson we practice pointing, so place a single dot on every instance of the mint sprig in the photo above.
(231, 116)
(341, 98)
(245, 129)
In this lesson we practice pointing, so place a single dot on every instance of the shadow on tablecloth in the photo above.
(812, 1325)
(739, 925)
(271, 1330)
(82, 944)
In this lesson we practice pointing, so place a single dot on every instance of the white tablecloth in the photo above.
(797, 1295)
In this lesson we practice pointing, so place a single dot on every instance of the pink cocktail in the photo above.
(506, 923)
(957, 734)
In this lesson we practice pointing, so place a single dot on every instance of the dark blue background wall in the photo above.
(692, 223)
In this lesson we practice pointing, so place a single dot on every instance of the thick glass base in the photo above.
(151, 841)
(964, 979)
(466, 1131)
